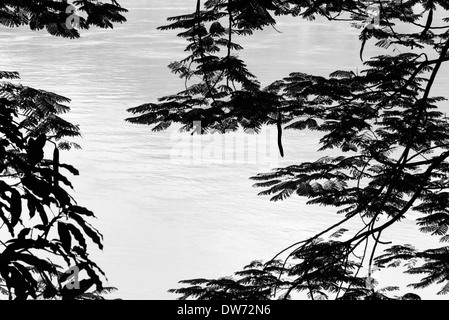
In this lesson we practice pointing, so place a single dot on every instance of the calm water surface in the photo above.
(164, 221)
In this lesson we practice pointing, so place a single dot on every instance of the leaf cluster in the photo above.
(53, 16)
(45, 224)
(391, 136)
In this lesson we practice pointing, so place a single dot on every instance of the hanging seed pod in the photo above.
(279, 127)
(56, 167)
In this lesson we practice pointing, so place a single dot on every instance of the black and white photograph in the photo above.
(243, 151)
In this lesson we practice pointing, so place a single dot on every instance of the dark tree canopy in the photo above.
(392, 137)
(61, 17)
(43, 230)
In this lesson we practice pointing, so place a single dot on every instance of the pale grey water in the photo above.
(164, 221)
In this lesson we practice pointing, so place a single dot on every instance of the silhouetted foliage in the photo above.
(60, 17)
(42, 227)
(393, 139)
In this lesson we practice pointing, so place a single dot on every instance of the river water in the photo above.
(163, 218)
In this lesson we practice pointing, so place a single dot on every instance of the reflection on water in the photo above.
(164, 221)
